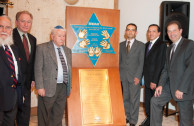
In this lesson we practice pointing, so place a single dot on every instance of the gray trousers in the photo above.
(185, 110)
(51, 109)
(131, 98)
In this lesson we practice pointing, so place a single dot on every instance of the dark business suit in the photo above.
(27, 69)
(51, 106)
(131, 66)
(177, 75)
(8, 94)
(153, 65)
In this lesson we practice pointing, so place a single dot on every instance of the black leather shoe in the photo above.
(127, 121)
(132, 124)
(146, 122)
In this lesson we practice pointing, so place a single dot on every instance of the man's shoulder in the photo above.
(45, 44)
(139, 42)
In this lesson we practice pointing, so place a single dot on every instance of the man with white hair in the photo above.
(10, 75)
(53, 78)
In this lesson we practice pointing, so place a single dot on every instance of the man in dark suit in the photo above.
(131, 59)
(153, 64)
(10, 75)
(53, 76)
(176, 80)
(27, 48)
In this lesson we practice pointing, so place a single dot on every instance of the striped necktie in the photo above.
(10, 59)
(65, 73)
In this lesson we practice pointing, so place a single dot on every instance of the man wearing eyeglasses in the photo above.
(131, 59)
(10, 74)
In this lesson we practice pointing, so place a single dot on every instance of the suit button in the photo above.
(56, 69)
(55, 78)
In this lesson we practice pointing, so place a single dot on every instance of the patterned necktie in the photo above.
(10, 59)
(65, 74)
(149, 47)
(128, 47)
(26, 47)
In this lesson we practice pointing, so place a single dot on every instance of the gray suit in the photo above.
(176, 75)
(131, 66)
(46, 70)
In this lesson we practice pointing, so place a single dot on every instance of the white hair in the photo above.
(7, 41)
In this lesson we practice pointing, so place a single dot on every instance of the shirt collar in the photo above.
(21, 33)
(153, 41)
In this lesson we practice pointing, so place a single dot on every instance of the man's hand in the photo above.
(179, 94)
(136, 81)
(23, 99)
(32, 84)
(152, 85)
(158, 91)
(41, 92)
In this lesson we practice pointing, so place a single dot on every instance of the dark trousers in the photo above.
(23, 116)
(51, 109)
(7, 118)
(149, 93)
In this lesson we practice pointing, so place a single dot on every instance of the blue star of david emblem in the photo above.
(93, 39)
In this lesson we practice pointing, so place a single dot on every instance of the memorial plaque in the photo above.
(95, 97)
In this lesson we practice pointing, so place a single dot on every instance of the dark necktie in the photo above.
(65, 74)
(149, 47)
(26, 47)
(128, 47)
(10, 59)
(172, 52)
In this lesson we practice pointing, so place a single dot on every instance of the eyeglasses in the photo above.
(130, 30)
(5, 27)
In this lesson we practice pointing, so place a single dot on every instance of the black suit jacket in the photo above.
(8, 93)
(27, 67)
(154, 62)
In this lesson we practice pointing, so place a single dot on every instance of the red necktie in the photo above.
(10, 59)
(26, 47)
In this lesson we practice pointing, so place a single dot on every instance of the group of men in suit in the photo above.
(167, 74)
(17, 65)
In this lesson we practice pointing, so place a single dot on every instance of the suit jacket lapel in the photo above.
(4, 56)
(133, 47)
(51, 50)
(32, 47)
(154, 46)
(19, 42)
(176, 51)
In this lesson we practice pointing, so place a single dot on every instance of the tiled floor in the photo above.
(167, 121)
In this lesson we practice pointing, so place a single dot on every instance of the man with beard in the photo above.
(10, 75)
(131, 59)
(26, 44)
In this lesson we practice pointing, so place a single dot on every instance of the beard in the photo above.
(7, 41)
